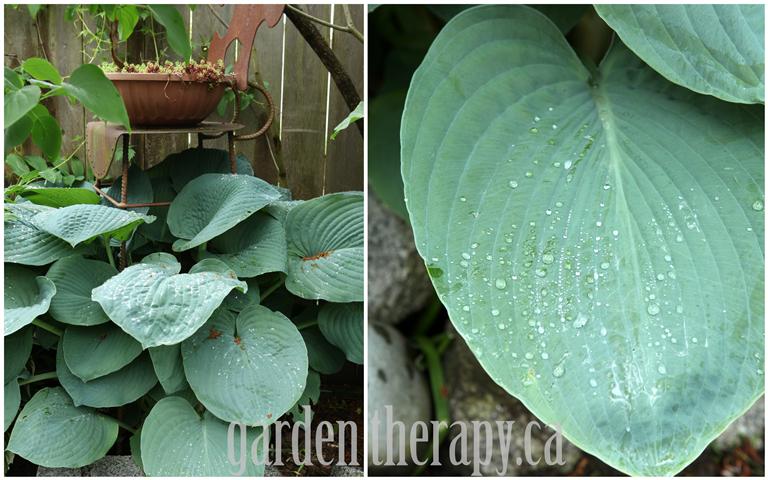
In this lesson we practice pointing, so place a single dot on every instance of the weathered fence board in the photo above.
(292, 154)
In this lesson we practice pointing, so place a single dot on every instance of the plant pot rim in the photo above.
(228, 79)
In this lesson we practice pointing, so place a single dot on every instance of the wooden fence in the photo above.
(296, 152)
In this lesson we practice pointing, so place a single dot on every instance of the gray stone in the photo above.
(59, 472)
(109, 466)
(114, 466)
(392, 381)
(473, 395)
(751, 425)
(346, 471)
(398, 284)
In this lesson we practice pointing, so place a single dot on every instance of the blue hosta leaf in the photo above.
(139, 190)
(279, 210)
(596, 241)
(213, 203)
(323, 356)
(177, 442)
(253, 247)
(12, 401)
(79, 223)
(17, 349)
(27, 296)
(27, 244)
(52, 432)
(238, 301)
(75, 277)
(113, 390)
(92, 352)
(157, 305)
(166, 360)
(309, 397)
(183, 167)
(342, 325)
(325, 248)
(712, 49)
(250, 368)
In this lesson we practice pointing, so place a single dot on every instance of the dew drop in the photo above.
(495, 312)
(593, 382)
(605, 265)
(559, 370)
(465, 308)
(603, 331)
(580, 321)
(501, 284)
(567, 164)
(529, 356)
(465, 256)
(534, 130)
(545, 356)
(547, 258)
(653, 309)
(660, 277)
(662, 369)
(541, 272)
(502, 326)
(463, 199)
(757, 206)
(529, 174)
(512, 184)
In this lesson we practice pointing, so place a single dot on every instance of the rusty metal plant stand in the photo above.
(102, 138)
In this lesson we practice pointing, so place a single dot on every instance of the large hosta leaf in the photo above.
(597, 242)
(342, 325)
(169, 369)
(213, 203)
(113, 390)
(17, 349)
(12, 400)
(27, 296)
(79, 223)
(253, 247)
(75, 277)
(250, 368)
(713, 49)
(27, 244)
(93, 352)
(176, 442)
(52, 432)
(183, 167)
(325, 248)
(157, 305)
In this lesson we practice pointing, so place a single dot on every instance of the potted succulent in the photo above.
(173, 94)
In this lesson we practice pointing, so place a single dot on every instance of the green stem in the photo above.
(426, 320)
(47, 326)
(439, 396)
(120, 424)
(110, 256)
(39, 378)
(307, 324)
(272, 288)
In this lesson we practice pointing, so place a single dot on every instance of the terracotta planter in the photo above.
(161, 99)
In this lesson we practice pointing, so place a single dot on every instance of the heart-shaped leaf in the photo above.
(18, 103)
(183, 167)
(322, 355)
(213, 203)
(250, 368)
(27, 296)
(93, 352)
(157, 305)
(253, 247)
(176, 442)
(113, 390)
(97, 93)
(52, 432)
(309, 397)
(325, 248)
(79, 223)
(342, 325)
(712, 49)
(169, 369)
(597, 240)
(75, 278)
(17, 349)
(27, 244)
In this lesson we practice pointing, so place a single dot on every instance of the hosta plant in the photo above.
(231, 303)
(594, 226)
